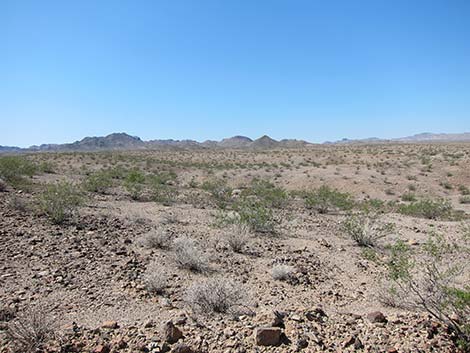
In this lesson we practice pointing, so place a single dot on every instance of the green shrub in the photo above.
(433, 282)
(219, 190)
(14, 169)
(430, 209)
(163, 193)
(98, 182)
(464, 190)
(164, 177)
(372, 205)
(326, 199)
(464, 199)
(446, 185)
(134, 184)
(47, 167)
(250, 213)
(410, 197)
(256, 215)
(267, 193)
(60, 201)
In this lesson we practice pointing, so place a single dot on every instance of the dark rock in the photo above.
(182, 348)
(171, 333)
(376, 316)
(267, 336)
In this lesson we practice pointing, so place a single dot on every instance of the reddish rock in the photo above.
(267, 336)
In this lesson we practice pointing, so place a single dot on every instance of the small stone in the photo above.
(315, 314)
(296, 317)
(267, 336)
(110, 325)
(228, 332)
(376, 316)
(171, 333)
(302, 343)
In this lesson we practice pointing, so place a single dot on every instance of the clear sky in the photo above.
(208, 69)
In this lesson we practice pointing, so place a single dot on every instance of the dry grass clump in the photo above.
(237, 238)
(366, 229)
(156, 279)
(156, 239)
(187, 255)
(216, 295)
(282, 272)
(29, 331)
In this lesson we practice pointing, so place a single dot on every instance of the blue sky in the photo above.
(208, 69)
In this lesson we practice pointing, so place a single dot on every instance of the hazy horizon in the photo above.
(208, 70)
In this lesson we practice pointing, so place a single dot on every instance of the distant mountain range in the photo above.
(123, 141)
(425, 137)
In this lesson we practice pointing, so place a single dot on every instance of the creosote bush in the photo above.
(430, 209)
(267, 193)
(134, 184)
(14, 170)
(216, 295)
(187, 255)
(98, 182)
(219, 190)
(60, 201)
(436, 282)
(325, 199)
(256, 215)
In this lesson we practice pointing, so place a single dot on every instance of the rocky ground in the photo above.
(88, 274)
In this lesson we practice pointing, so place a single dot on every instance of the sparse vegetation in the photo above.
(134, 184)
(237, 236)
(14, 170)
(326, 199)
(60, 201)
(156, 279)
(188, 256)
(216, 295)
(98, 182)
(30, 331)
(431, 209)
(156, 239)
(255, 215)
(433, 282)
(282, 272)
(267, 193)
(366, 229)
